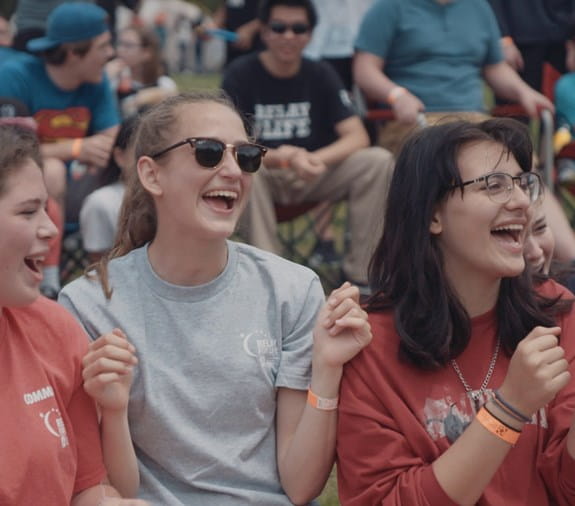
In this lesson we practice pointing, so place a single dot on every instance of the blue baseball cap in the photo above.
(71, 22)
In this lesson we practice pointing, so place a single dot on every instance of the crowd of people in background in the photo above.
(184, 360)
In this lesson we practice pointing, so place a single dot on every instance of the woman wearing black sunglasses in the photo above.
(226, 333)
(465, 394)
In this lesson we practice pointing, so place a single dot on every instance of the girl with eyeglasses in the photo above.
(229, 338)
(465, 394)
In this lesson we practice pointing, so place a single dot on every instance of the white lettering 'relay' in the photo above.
(39, 395)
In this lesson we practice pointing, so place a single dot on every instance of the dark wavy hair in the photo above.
(266, 6)
(406, 271)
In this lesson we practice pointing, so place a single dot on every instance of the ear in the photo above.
(148, 173)
(435, 227)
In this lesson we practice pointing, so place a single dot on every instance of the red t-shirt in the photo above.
(49, 434)
(395, 420)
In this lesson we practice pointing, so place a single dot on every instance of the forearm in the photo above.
(371, 79)
(468, 466)
(61, 150)
(94, 495)
(119, 456)
(305, 465)
(343, 147)
(504, 81)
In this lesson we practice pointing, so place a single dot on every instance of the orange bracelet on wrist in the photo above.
(506, 41)
(497, 428)
(322, 403)
(77, 147)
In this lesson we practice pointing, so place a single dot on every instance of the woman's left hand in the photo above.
(342, 329)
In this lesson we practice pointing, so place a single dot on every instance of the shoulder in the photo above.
(550, 288)
(51, 322)
(273, 265)
(22, 64)
(240, 65)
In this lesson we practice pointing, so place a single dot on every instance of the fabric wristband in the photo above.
(322, 403)
(77, 147)
(493, 425)
(394, 94)
(506, 41)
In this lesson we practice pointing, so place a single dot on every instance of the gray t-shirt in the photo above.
(203, 402)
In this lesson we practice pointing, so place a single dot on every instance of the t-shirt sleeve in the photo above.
(83, 416)
(375, 461)
(95, 227)
(555, 464)
(494, 53)
(295, 363)
(338, 104)
(13, 84)
(105, 111)
(377, 29)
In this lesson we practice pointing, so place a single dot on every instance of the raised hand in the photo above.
(342, 329)
(107, 371)
(537, 371)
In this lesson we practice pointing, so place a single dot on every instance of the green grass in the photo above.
(190, 81)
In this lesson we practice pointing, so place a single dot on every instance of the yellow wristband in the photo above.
(321, 402)
(77, 147)
(394, 94)
(496, 428)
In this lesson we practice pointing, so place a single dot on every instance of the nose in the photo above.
(520, 198)
(47, 229)
(229, 165)
(532, 251)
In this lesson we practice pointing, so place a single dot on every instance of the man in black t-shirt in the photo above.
(318, 145)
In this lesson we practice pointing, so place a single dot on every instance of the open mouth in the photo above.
(222, 200)
(35, 264)
(509, 233)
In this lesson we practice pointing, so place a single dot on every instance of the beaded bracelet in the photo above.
(510, 409)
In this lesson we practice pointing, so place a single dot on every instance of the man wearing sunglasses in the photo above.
(317, 146)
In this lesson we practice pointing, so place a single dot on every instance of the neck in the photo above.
(477, 296)
(278, 69)
(62, 77)
(187, 262)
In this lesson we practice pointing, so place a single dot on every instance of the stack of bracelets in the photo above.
(498, 427)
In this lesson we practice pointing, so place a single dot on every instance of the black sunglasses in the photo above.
(209, 152)
(296, 28)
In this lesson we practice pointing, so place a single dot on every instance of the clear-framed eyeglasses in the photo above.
(500, 186)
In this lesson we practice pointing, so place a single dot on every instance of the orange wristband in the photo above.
(506, 41)
(496, 428)
(321, 402)
(284, 164)
(77, 147)
(394, 94)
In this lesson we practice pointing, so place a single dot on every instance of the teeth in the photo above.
(222, 193)
(510, 228)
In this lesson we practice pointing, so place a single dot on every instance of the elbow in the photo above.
(301, 497)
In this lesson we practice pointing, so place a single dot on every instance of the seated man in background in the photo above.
(318, 145)
(431, 57)
(70, 98)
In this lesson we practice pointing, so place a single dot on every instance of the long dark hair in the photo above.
(407, 272)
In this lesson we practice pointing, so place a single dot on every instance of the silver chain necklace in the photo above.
(476, 396)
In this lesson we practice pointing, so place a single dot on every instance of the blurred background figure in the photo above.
(101, 209)
(239, 17)
(138, 73)
(533, 33)
(335, 33)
